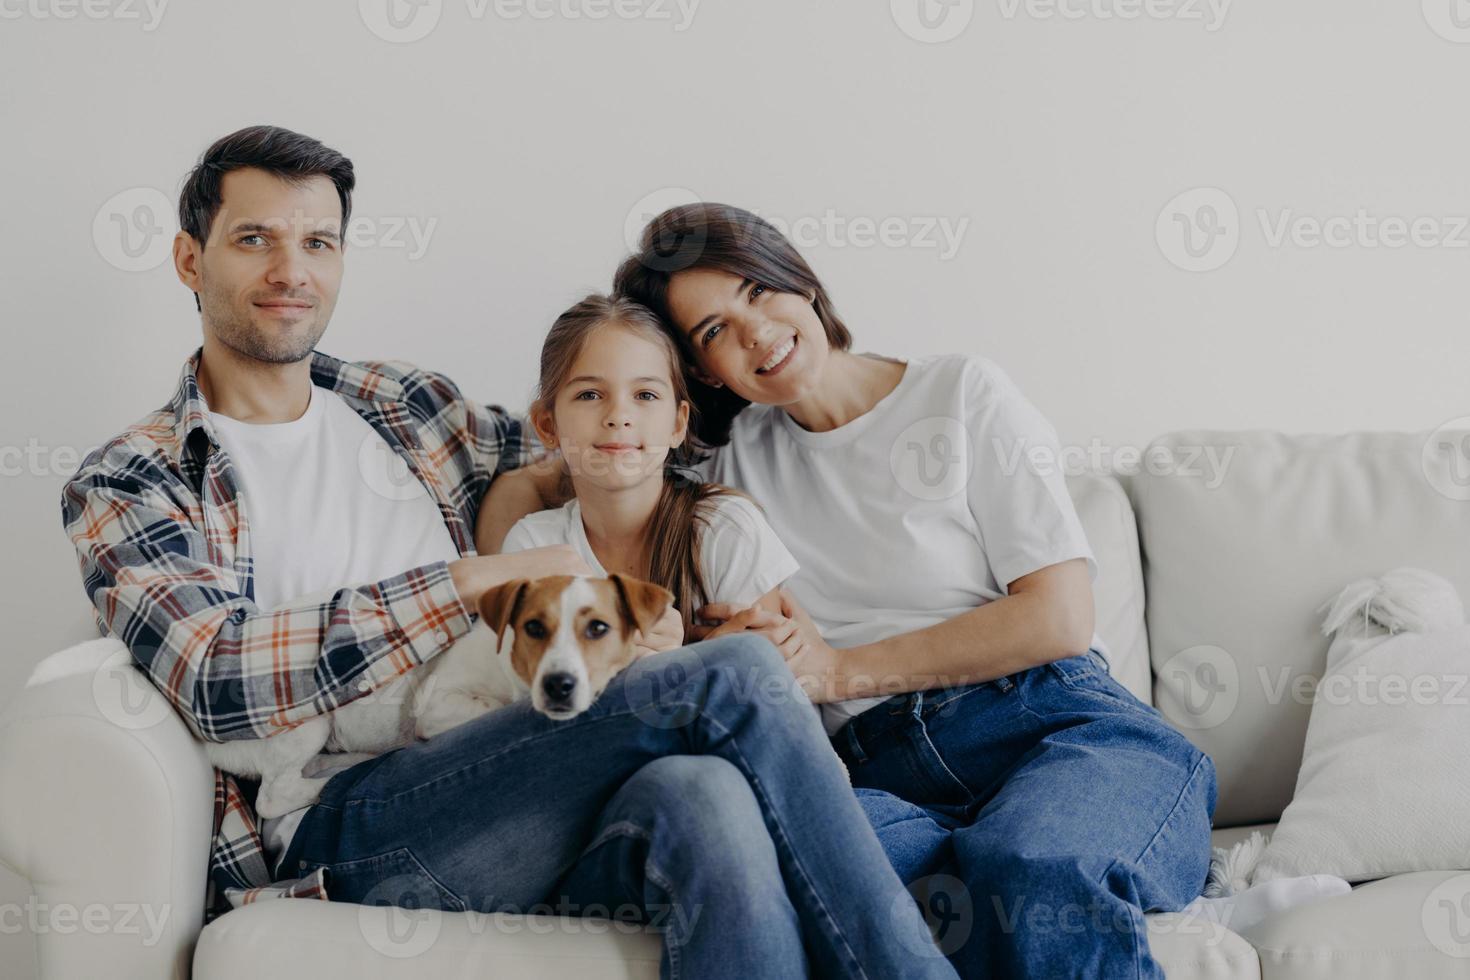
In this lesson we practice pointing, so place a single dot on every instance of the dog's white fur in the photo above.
(473, 676)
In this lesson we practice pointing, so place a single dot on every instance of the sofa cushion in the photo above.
(1107, 519)
(1242, 546)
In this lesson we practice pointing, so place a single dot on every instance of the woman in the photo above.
(942, 615)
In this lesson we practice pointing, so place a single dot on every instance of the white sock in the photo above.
(1259, 902)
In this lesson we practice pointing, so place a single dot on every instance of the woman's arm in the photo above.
(535, 486)
(1045, 616)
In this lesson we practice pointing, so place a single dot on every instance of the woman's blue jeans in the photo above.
(1036, 817)
(699, 792)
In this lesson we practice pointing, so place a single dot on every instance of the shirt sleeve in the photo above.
(518, 538)
(231, 669)
(1017, 490)
(742, 558)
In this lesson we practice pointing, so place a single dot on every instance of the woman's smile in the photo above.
(779, 357)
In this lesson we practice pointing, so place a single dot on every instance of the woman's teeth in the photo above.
(777, 356)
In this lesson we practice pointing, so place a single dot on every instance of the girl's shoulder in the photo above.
(724, 513)
(547, 527)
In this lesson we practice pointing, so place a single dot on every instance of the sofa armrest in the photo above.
(106, 805)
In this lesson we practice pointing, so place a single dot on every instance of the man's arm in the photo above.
(231, 669)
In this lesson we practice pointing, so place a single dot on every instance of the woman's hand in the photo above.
(812, 660)
(666, 634)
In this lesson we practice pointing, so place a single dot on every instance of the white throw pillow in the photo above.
(1384, 786)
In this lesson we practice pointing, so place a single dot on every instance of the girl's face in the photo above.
(766, 346)
(616, 416)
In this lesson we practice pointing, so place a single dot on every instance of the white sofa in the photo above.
(1233, 565)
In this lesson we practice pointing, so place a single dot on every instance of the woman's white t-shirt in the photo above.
(926, 506)
(740, 557)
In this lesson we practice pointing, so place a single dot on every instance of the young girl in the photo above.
(613, 398)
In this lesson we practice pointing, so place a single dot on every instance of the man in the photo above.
(278, 472)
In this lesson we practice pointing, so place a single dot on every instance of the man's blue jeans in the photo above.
(1036, 817)
(700, 789)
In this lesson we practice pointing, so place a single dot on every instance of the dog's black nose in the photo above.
(558, 687)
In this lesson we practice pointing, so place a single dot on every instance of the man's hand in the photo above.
(666, 634)
(478, 574)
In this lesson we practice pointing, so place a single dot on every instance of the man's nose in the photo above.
(288, 269)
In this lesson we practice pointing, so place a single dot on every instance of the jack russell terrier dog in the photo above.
(558, 640)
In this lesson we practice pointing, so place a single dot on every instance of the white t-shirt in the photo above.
(740, 557)
(327, 502)
(921, 509)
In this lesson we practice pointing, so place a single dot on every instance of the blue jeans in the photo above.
(1036, 817)
(699, 790)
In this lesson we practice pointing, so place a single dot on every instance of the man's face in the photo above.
(268, 276)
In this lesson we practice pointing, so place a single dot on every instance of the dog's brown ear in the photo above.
(498, 605)
(643, 601)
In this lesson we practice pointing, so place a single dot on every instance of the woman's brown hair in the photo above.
(682, 512)
(728, 239)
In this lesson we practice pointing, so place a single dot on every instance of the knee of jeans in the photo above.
(702, 797)
(748, 650)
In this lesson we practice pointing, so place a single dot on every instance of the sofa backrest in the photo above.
(1244, 535)
(1107, 519)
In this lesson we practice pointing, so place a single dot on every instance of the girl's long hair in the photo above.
(682, 512)
(728, 239)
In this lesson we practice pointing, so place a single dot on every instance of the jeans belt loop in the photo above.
(854, 744)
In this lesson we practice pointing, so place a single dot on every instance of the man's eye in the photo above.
(596, 629)
(247, 238)
(534, 628)
(318, 241)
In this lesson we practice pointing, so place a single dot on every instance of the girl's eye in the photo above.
(652, 395)
(581, 396)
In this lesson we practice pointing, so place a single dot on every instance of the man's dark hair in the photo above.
(290, 156)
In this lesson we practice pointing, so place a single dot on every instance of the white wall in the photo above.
(1056, 133)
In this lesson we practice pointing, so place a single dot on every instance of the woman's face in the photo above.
(766, 346)
(617, 416)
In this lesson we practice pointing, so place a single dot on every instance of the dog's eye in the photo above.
(534, 628)
(596, 629)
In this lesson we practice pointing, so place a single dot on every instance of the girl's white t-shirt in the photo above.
(740, 557)
(923, 508)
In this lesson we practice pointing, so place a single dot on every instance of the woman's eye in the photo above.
(756, 290)
(709, 335)
(596, 629)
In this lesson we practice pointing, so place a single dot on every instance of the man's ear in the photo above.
(186, 261)
(498, 605)
(643, 601)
